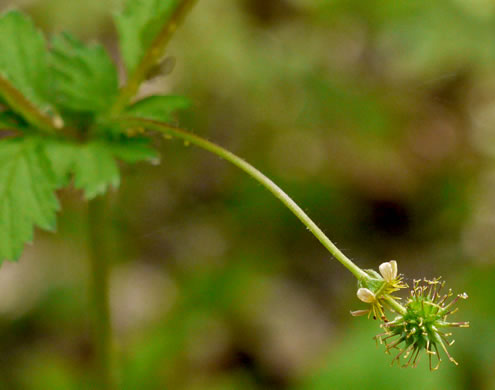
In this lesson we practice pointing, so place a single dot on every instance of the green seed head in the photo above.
(423, 325)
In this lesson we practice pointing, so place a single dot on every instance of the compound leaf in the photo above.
(27, 197)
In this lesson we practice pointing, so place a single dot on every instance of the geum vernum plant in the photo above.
(66, 120)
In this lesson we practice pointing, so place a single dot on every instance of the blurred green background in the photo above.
(378, 117)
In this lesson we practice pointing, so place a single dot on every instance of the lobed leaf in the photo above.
(86, 78)
(79, 79)
(95, 169)
(27, 197)
(93, 165)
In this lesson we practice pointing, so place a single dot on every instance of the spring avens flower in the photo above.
(393, 280)
(378, 288)
(420, 323)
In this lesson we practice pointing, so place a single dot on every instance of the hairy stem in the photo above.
(99, 287)
(151, 57)
(255, 174)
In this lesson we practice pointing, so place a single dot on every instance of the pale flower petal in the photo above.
(393, 263)
(358, 313)
(366, 295)
(388, 270)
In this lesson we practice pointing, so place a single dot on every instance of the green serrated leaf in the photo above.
(23, 58)
(139, 24)
(62, 156)
(159, 108)
(95, 169)
(85, 77)
(93, 165)
(27, 197)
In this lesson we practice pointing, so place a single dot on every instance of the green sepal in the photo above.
(374, 283)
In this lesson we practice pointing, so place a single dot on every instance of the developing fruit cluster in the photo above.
(420, 324)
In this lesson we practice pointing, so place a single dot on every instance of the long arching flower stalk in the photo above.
(420, 322)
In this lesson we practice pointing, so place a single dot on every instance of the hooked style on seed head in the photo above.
(422, 325)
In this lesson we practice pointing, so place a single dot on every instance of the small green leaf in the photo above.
(23, 58)
(62, 156)
(27, 197)
(95, 169)
(85, 77)
(133, 150)
(159, 108)
(93, 165)
(139, 24)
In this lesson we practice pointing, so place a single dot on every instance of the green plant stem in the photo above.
(151, 57)
(255, 174)
(99, 290)
(396, 306)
